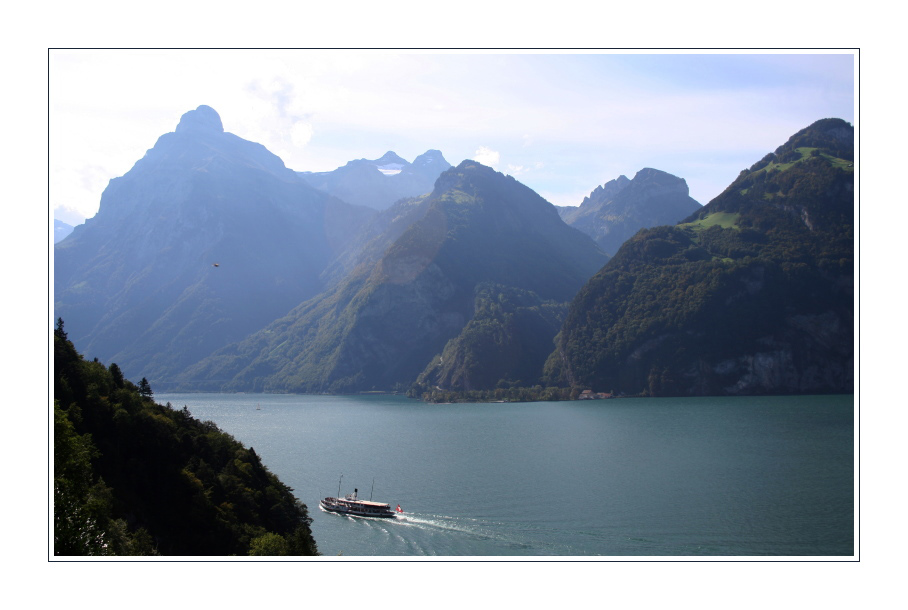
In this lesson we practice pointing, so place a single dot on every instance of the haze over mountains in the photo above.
(212, 266)
(379, 183)
(207, 238)
(380, 327)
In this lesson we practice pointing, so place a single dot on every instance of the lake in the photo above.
(656, 477)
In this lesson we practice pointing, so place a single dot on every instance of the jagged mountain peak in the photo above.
(619, 208)
(430, 157)
(391, 157)
(378, 183)
(203, 220)
(203, 119)
(606, 192)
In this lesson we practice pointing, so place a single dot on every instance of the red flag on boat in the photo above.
(398, 509)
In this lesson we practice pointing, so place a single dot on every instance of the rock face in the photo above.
(615, 211)
(380, 182)
(413, 289)
(752, 294)
(206, 239)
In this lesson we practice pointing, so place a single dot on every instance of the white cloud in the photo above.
(300, 133)
(487, 156)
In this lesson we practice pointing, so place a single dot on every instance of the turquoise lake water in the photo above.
(665, 477)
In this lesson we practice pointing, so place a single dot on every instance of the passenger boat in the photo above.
(350, 505)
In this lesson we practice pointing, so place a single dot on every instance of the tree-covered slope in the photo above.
(132, 477)
(381, 326)
(206, 239)
(504, 345)
(752, 294)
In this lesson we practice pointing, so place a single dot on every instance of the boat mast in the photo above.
(339, 486)
(373, 489)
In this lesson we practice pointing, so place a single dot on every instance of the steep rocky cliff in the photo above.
(615, 211)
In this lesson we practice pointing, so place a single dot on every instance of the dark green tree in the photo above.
(145, 388)
(117, 375)
(77, 518)
(58, 331)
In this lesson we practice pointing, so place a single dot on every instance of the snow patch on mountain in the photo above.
(390, 169)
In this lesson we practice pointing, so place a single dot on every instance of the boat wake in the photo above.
(445, 535)
(463, 532)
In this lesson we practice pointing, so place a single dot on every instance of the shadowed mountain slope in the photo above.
(381, 326)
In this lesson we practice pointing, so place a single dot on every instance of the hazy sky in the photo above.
(561, 123)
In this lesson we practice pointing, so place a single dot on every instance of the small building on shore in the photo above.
(591, 395)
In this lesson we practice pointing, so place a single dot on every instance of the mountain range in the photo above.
(379, 183)
(380, 327)
(212, 266)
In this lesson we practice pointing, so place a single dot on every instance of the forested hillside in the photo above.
(752, 294)
(132, 477)
(504, 346)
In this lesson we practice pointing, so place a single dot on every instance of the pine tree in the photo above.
(117, 375)
(58, 331)
(145, 388)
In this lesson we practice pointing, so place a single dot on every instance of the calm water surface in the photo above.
(629, 477)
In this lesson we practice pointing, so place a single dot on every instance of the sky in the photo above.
(560, 122)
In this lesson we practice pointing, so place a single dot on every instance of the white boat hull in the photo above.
(356, 508)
